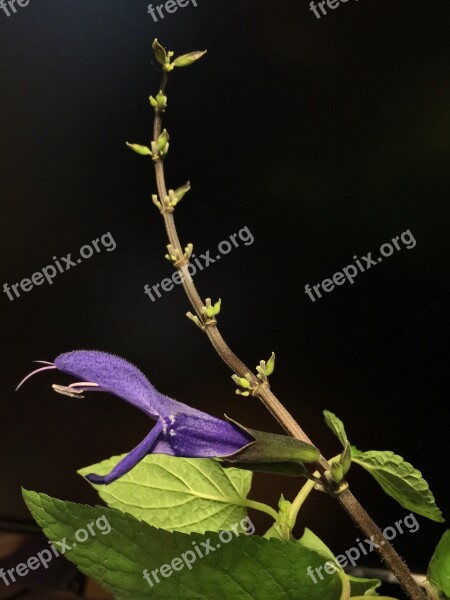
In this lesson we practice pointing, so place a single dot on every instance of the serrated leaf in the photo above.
(439, 569)
(400, 480)
(180, 494)
(248, 568)
(336, 426)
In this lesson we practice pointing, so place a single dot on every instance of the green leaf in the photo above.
(248, 568)
(336, 426)
(186, 60)
(439, 569)
(360, 586)
(377, 597)
(182, 494)
(313, 542)
(400, 480)
(282, 528)
(286, 468)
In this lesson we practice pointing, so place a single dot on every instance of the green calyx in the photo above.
(160, 102)
(270, 452)
(157, 151)
(209, 310)
(164, 57)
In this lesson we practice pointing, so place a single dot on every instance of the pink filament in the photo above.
(83, 384)
(50, 366)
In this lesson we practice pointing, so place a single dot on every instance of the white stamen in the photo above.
(67, 391)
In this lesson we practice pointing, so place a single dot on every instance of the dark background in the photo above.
(325, 137)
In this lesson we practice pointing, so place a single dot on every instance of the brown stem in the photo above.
(385, 550)
(270, 401)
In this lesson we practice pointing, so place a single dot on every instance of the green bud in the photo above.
(272, 448)
(216, 308)
(181, 192)
(284, 507)
(142, 150)
(188, 59)
(161, 100)
(162, 142)
(160, 52)
(241, 382)
(346, 458)
(337, 472)
(270, 365)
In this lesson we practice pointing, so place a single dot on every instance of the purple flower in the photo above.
(179, 431)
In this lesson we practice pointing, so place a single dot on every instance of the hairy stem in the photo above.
(270, 401)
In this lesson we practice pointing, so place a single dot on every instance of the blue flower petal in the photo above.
(204, 436)
(131, 459)
(117, 376)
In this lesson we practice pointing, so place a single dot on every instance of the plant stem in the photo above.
(265, 508)
(270, 401)
(300, 500)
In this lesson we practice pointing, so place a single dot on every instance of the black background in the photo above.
(325, 137)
